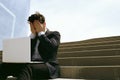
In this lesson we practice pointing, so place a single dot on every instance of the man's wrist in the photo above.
(32, 36)
(41, 33)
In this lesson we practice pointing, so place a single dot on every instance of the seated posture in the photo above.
(44, 47)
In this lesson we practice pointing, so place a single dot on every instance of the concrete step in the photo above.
(95, 47)
(91, 72)
(103, 52)
(94, 40)
(14, 78)
(89, 61)
(71, 79)
(71, 44)
(87, 73)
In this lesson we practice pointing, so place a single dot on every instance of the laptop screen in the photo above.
(17, 50)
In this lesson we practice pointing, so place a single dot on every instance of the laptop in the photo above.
(17, 50)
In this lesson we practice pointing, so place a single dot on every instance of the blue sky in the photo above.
(80, 19)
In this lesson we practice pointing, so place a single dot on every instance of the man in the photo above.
(44, 48)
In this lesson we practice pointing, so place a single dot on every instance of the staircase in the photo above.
(91, 59)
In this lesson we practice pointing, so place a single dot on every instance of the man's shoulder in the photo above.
(55, 32)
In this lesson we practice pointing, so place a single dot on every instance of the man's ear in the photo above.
(44, 24)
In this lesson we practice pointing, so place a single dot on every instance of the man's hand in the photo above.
(33, 30)
(38, 26)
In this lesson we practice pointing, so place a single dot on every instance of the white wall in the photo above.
(13, 19)
(80, 19)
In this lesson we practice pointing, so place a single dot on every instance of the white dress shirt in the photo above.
(36, 56)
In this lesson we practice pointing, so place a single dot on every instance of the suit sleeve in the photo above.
(50, 43)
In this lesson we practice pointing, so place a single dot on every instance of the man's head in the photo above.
(37, 16)
(37, 23)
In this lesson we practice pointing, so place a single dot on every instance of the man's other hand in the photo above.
(33, 30)
(38, 26)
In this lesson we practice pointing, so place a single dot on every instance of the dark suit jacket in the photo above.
(48, 48)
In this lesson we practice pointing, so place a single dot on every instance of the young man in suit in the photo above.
(44, 47)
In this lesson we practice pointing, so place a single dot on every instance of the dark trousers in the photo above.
(34, 71)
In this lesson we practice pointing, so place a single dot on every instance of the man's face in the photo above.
(37, 23)
(38, 26)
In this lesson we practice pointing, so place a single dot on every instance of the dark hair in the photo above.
(36, 16)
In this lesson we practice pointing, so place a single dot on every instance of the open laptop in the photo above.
(17, 50)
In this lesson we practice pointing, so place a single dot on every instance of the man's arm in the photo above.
(50, 43)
